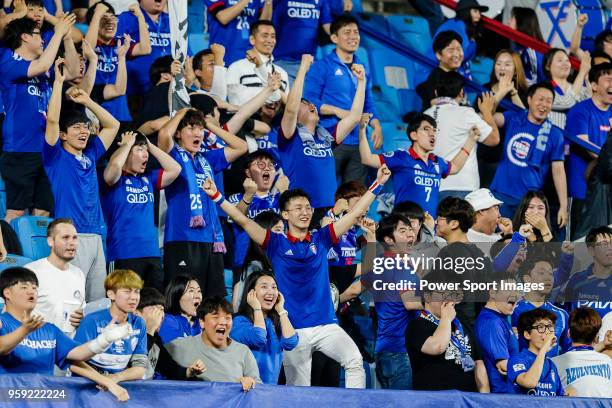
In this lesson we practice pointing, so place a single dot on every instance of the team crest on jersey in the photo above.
(119, 347)
(389, 154)
(518, 148)
(437, 167)
(313, 248)
(145, 179)
(518, 367)
(77, 294)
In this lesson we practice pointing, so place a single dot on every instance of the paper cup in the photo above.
(68, 309)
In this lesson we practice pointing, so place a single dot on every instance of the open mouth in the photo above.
(304, 219)
(82, 139)
(268, 300)
(196, 303)
(266, 176)
(220, 332)
(31, 299)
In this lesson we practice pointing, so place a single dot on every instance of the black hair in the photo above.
(255, 26)
(193, 117)
(342, 21)
(160, 66)
(528, 319)
(440, 275)
(450, 84)
(527, 22)
(140, 139)
(257, 155)
(287, 196)
(547, 60)
(457, 209)
(72, 117)
(350, 189)
(15, 275)
(584, 325)
(415, 120)
(599, 70)
(540, 85)
(266, 220)
(150, 297)
(175, 290)
(601, 38)
(444, 39)
(387, 225)
(213, 304)
(473, 30)
(246, 310)
(410, 209)
(591, 237)
(55, 223)
(534, 256)
(92, 9)
(204, 103)
(196, 62)
(519, 215)
(15, 29)
(600, 54)
(31, 3)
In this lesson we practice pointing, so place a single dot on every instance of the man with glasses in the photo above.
(496, 337)
(25, 84)
(531, 371)
(417, 171)
(591, 287)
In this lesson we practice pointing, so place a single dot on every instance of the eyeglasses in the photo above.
(603, 245)
(37, 32)
(452, 296)
(541, 328)
(264, 165)
(428, 129)
(80, 126)
(308, 210)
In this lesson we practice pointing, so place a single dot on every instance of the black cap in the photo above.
(470, 4)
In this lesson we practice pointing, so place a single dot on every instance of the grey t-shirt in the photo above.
(226, 365)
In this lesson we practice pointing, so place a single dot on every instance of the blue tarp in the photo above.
(173, 394)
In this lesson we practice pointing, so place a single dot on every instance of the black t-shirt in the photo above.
(442, 372)
(427, 89)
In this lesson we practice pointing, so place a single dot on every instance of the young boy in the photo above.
(128, 206)
(125, 360)
(417, 171)
(299, 259)
(530, 371)
(70, 163)
(223, 359)
(29, 345)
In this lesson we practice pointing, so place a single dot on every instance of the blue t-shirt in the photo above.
(234, 36)
(297, 26)
(117, 357)
(129, 210)
(584, 289)
(302, 275)
(269, 143)
(549, 384)
(415, 180)
(106, 73)
(308, 162)
(38, 352)
(561, 326)
(497, 342)
(345, 251)
(25, 103)
(267, 348)
(159, 33)
(74, 182)
(258, 205)
(180, 201)
(175, 326)
(527, 155)
(584, 119)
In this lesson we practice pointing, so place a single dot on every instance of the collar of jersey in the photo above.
(293, 239)
(416, 156)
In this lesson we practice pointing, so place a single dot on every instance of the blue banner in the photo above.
(80, 393)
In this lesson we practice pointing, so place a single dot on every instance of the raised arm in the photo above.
(143, 47)
(171, 168)
(228, 14)
(9, 341)
(108, 124)
(236, 147)
(560, 182)
(73, 60)
(583, 73)
(461, 157)
(94, 25)
(114, 168)
(365, 153)
(266, 12)
(52, 129)
(45, 61)
(255, 232)
(487, 107)
(348, 123)
(89, 78)
(20, 10)
(529, 379)
(437, 343)
(249, 108)
(165, 136)
(119, 88)
(577, 36)
(289, 121)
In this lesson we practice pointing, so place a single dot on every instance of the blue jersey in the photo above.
(159, 33)
(25, 103)
(234, 36)
(308, 162)
(106, 73)
(415, 180)
(528, 154)
(214, 142)
(497, 342)
(75, 184)
(585, 289)
(175, 326)
(345, 251)
(117, 357)
(38, 352)
(585, 118)
(181, 201)
(549, 384)
(269, 143)
(297, 25)
(267, 348)
(258, 205)
(302, 275)
(561, 326)
(128, 208)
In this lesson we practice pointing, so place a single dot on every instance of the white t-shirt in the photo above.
(476, 236)
(454, 123)
(58, 291)
(586, 371)
(244, 80)
(606, 324)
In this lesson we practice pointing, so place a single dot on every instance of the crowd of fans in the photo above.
(88, 139)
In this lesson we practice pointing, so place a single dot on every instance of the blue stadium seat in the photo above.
(481, 68)
(14, 260)
(32, 233)
(197, 42)
(195, 16)
(411, 30)
(394, 136)
(376, 21)
(2, 199)
(228, 278)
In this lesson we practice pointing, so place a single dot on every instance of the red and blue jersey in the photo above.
(549, 383)
(414, 179)
(561, 326)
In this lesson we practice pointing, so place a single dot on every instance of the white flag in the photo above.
(179, 96)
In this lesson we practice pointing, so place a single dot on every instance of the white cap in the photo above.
(482, 199)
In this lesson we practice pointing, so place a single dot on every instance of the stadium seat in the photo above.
(481, 68)
(375, 21)
(14, 260)
(2, 199)
(32, 233)
(197, 42)
(195, 16)
(394, 136)
(228, 278)
(411, 30)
